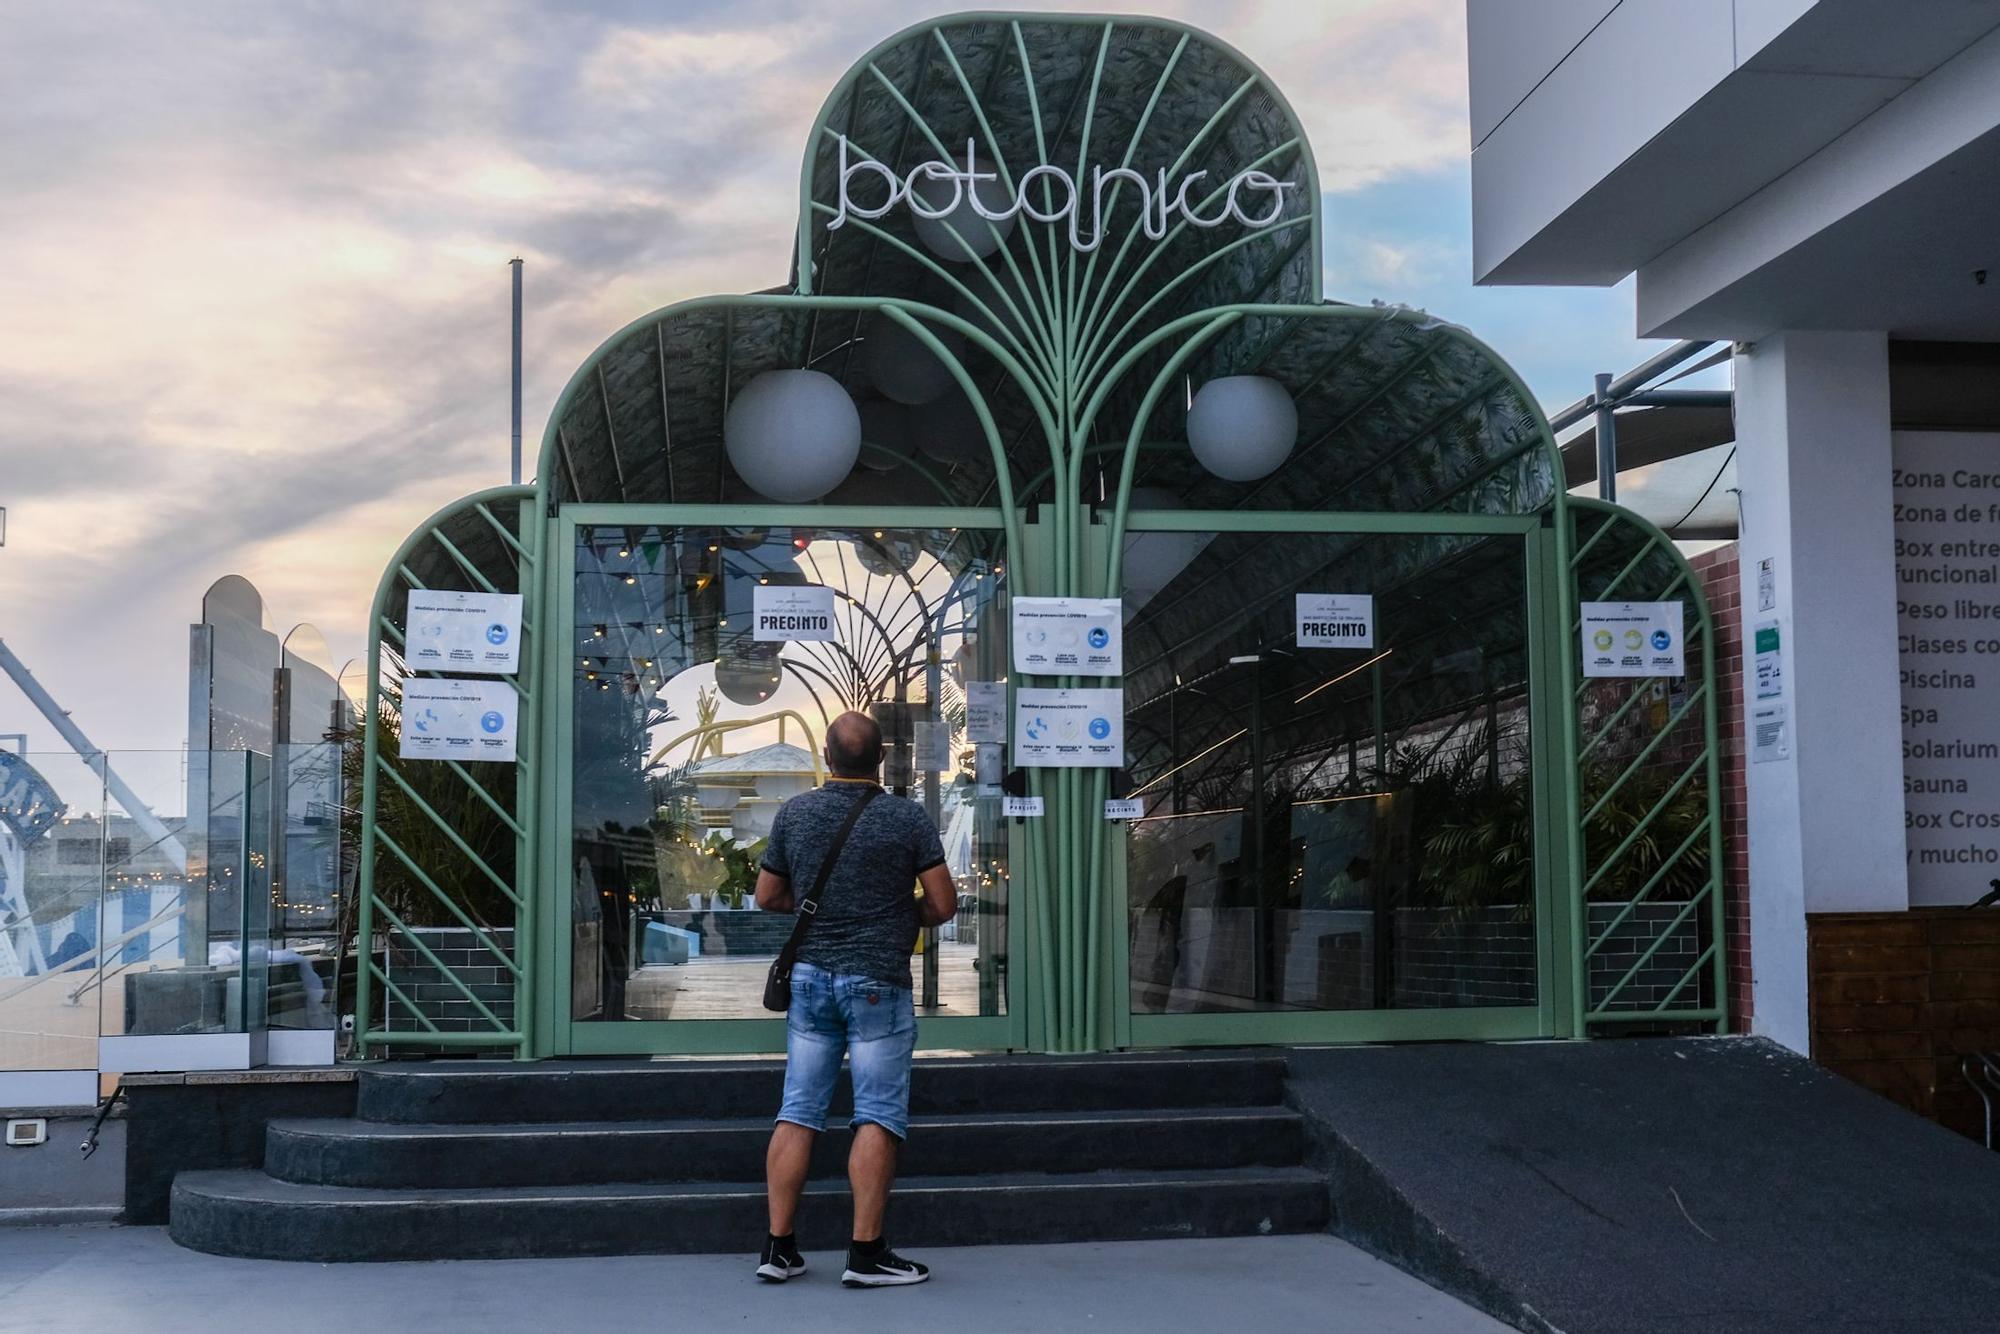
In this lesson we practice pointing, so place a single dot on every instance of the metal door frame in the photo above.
(1546, 620)
(603, 1037)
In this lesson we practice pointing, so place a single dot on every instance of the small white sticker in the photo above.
(1334, 620)
(1022, 806)
(1124, 808)
(785, 612)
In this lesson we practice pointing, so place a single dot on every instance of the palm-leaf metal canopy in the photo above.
(1083, 360)
(1072, 337)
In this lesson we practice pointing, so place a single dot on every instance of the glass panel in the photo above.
(1329, 828)
(187, 908)
(689, 733)
(99, 931)
(305, 900)
(52, 848)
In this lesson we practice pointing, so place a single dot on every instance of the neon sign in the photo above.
(1063, 199)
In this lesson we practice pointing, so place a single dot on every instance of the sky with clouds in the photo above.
(254, 301)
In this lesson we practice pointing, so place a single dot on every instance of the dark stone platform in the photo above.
(1655, 1186)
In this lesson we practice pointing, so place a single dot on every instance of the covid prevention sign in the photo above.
(463, 632)
(792, 611)
(1633, 639)
(447, 719)
(1335, 620)
(1069, 729)
(1069, 636)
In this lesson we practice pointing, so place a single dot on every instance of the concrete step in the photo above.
(251, 1214)
(390, 1155)
(468, 1093)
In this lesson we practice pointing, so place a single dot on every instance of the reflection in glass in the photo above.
(1330, 828)
(97, 893)
(690, 733)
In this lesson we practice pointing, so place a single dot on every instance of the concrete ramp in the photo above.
(1656, 1186)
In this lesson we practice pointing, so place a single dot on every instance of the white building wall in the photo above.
(1813, 462)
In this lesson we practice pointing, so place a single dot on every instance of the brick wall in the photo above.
(444, 1004)
(1898, 998)
(1722, 584)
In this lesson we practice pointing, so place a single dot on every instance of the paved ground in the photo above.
(72, 1280)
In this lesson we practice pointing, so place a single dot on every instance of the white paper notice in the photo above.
(446, 719)
(1069, 729)
(1633, 639)
(1335, 620)
(1770, 732)
(986, 712)
(932, 746)
(986, 770)
(1069, 636)
(1123, 808)
(463, 632)
(1021, 806)
(783, 612)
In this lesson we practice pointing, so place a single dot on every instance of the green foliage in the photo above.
(740, 862)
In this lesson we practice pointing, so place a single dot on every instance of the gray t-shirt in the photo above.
(867, 920)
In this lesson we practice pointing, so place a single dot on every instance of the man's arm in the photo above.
(940, 903)
(774, 892)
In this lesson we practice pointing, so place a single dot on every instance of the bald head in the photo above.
(853, 746)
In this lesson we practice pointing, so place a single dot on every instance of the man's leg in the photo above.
(814, 1037)
(882, 1036)
(871, 1170)
(785, 1164)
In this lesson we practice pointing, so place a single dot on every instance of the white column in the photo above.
(1826, 824)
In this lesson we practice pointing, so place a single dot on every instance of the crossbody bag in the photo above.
(778, 982)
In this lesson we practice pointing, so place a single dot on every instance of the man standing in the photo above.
(850, 990)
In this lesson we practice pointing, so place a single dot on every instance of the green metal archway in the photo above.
(1076, 368)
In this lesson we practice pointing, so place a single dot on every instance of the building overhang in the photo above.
(1839, 172)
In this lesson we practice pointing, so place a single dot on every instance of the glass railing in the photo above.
(152, 893)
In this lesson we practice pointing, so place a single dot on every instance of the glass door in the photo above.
(1334, 733)
(704, 661)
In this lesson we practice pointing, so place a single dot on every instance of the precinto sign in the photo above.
(1050, 194)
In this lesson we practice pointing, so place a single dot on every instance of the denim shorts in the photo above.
(874, 1023)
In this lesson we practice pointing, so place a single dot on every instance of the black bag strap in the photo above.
(809, 905)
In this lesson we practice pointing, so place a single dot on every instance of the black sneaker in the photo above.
(883, 1269)
(781, 1260)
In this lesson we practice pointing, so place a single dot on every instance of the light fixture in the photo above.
(899, 364)
(948, 430)
(885, 425)
(1242, 427)
(792, 435)
(961, 234)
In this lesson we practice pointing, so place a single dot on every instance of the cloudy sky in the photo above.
(253, 283)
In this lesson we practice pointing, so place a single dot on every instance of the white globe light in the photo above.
(886, 426)
(746, 681)
(962, 235)
(792, 435)
(898, 363)
(948, 430)
(1242, 427)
